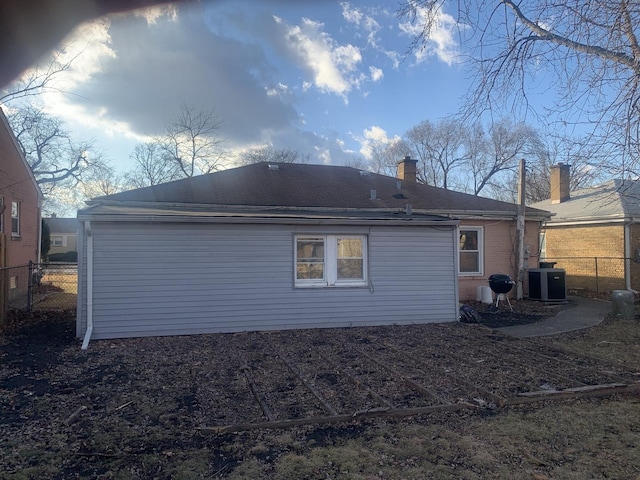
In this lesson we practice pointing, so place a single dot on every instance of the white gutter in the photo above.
(89, 283)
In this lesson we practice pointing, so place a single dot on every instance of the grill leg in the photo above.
(503, 296)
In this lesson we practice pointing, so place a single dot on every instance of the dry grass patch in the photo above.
(615, 340)
(143, 403)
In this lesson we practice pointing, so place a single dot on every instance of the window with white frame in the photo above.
(58, 240)
(15, 219)
(330, 260)
(471, 248)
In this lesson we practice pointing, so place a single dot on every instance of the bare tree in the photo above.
(440, 150)
(68, 171)
(554, 150)
(36, 81)
(102, 180)
(151, 167)
(54, 156)
(496, 152)
(384, 156)
(587, 52)
(274, 155)
(191, 141)
(358, 162)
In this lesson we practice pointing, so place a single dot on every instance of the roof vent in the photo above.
(398, 185)
(374, 195)
(408, 209)
(364, 173)
(273, 167)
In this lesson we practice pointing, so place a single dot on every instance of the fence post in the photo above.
(597, 282)
(30, 286)
(4, 295)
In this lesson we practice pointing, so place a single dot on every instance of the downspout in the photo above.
(520, 226)
(39, 246)
(89, 236)
(627, 255)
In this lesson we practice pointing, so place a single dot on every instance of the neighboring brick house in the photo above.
(594, 233)
(64, 235)
(20, 213)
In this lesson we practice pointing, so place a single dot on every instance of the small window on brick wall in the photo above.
(15, 219)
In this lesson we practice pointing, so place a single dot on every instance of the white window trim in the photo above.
(480, 231)
(17, 217)
(63, 241)
(330, 263)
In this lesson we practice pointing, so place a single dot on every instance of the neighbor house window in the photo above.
(15, 219)
(330, 260)
(58, 241)
(471, 261)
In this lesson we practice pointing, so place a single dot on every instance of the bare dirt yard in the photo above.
(434, 401)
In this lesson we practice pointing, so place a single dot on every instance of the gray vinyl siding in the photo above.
(81, 309)
(174, 279)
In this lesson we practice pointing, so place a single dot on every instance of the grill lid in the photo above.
(500, 283)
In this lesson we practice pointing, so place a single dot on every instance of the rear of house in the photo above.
(175, 274)
(275, 246)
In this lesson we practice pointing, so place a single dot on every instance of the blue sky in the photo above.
(322, 77)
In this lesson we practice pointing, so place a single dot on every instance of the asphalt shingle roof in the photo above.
(614, 199)
(311, 186)
(62, 225)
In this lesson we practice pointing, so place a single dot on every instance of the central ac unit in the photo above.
(548, 284)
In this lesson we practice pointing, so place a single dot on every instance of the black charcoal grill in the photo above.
(501, 284)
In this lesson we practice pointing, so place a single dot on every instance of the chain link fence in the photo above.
(597, 274)
(45, 286)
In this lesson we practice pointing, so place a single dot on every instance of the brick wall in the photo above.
(499, 253)
(593, 256)
(16, 185)
(635, 257)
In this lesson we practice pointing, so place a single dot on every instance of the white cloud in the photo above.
(279, 90)
(351, 15)
(86, 49)
(332, 66)
(363, 21)
(152, 14)
(376, 74)
(441, 41)
(374, 138)
(324, 155)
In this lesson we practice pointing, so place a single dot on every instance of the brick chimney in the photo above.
(560, 183)
(407, 169)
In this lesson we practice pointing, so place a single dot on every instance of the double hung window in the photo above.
(58, 241)
(330, 260)
(471, 260)
(15, 219)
